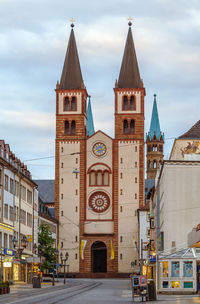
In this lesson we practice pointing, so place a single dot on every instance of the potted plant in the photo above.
(4, 287)
(7, 284)
(1, 289)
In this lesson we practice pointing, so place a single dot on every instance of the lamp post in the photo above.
(64, 260)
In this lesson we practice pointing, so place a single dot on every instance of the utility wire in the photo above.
(74, 153)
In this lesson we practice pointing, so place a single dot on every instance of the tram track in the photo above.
(48, 295)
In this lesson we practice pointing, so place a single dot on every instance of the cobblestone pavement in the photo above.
(85, 291)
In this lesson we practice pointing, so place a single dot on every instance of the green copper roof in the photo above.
(90, 124)
(155, 125)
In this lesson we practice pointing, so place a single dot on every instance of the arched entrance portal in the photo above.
(99, 257)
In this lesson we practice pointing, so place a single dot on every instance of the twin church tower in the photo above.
(99, 180)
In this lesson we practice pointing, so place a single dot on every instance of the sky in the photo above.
(33, 41)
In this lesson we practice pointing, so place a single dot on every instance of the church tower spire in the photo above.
(155, 142)
(71, 77)
(70, 143)
(129, 76)
(128, 146)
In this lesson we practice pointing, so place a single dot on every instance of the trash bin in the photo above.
(152, 291)
(36, 281)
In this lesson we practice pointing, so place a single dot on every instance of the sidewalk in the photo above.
(22, 286)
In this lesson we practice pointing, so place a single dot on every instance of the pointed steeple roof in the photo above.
(129, 76)
(155, 125)
(90, 124)
(192, 133)
(71, 74)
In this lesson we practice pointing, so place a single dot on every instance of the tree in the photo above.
(46, 246)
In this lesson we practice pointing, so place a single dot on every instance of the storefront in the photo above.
(177, 272)
(33, 265)
(7, 257)
(20, 269)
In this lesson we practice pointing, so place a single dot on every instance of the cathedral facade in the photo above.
(99, 180)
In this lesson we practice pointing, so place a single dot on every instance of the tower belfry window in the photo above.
(132, 126)
(73, 127)
(125, 126)
(73, 104)
(125, 103)
(132, 103)
(67, 130)
(154, 164)
(155, 148)
(67, 104)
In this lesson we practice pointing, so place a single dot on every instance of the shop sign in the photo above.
(152, 258)
(7, 264)
(9, 252)
(8, 259)
(29, 238)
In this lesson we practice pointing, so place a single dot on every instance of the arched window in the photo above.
(92, 178)
(160, 148)
(155, 148)
(149, 164)
(149, 148)
(154, 164)
(106, 178)
(73, 127)
(67, 104)
(132, 126)
(125, 103)
(73, 104)
(132, 103)
(99, 178)
(125, 126)
(67, 131)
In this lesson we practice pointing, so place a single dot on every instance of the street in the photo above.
(85, 291)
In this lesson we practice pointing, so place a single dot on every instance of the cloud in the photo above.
(34, 36)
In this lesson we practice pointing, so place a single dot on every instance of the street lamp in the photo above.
(35, 248)
(19, 250)
(64, 260)
(24, 241)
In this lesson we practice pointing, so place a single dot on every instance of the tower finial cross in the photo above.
(130, 21)
(72, 22)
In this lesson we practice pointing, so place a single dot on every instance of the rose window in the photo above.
(99, 201)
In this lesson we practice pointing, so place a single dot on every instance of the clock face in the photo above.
(99, 202)
(99, 149)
